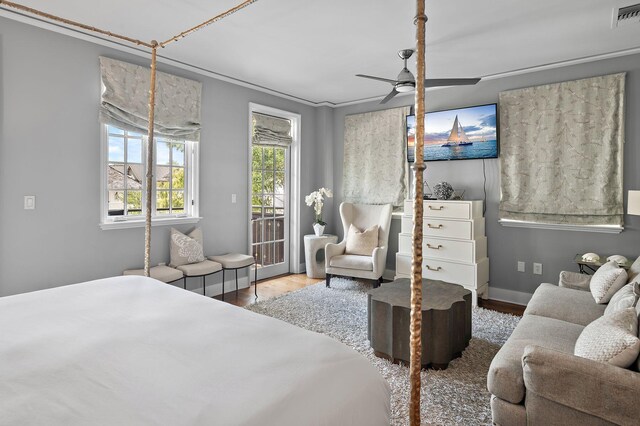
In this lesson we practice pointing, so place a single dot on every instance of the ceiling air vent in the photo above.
(625, 15)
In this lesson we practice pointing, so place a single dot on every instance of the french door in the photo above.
(270, 209)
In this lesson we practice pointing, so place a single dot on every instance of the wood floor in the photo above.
(284, 284)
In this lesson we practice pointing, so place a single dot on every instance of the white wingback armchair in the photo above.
(362, 216)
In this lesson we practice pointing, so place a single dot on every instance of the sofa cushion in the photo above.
(606, 281)
(612, 339)
(626, 297)
(574, 306)
(352, 261)
(634, 270)
(505, 379)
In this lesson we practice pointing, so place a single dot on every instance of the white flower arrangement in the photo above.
(316, 198)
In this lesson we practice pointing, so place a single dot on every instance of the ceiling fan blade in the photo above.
(389, 96)
(437, 82)
(386, 80)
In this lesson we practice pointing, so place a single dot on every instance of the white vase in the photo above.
(318, 229)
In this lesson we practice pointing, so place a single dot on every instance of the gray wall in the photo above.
(554, 249)
(50, 147)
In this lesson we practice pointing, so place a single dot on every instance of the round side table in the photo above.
(312, 245)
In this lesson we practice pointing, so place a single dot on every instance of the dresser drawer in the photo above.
(471, 275)
(441, 248)
(457, 273)
(460, 229)
(447, 209)
(444, 228)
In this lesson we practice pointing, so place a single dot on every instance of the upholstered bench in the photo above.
(162, 273)
(201, 269)
(235, 261)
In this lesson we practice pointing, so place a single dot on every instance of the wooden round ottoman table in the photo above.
(446, 321)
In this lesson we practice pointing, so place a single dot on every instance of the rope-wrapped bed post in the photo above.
(416, 267)
(152, 109)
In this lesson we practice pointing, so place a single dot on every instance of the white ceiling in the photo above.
(313, 49)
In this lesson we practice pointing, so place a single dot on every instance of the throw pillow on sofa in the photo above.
(611, 339)
(186, 249)
(626, 297)
(606, 281)
(362, 242)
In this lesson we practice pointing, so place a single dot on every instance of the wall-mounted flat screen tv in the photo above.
(457, 134)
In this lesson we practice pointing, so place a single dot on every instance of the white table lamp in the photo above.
(633, 205)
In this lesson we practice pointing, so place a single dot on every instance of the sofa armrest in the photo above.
(594, 388)
(379, 260)
(574, 280)
(331, 250)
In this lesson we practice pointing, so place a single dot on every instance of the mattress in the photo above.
(135, 351)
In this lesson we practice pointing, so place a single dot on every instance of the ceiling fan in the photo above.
(406, 82)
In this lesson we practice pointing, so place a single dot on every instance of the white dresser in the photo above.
(454, 246)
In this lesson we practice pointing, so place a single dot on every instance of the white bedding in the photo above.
(132, 350)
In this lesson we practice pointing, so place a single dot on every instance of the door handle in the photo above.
(433, 208)
(438, 247)
(434, 227)
(433, 269)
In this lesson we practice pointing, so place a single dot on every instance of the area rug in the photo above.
(455, 396)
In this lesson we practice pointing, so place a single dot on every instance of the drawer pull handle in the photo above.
(438, 247)
(433, 269)
(434, 227)
(433, 208)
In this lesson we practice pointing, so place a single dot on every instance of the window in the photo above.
(561, 159)
(124, 180)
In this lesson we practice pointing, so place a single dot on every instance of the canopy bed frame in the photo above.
(418, 167)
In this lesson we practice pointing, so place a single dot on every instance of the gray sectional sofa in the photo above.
(536, 380)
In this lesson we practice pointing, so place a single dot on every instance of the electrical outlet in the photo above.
(521, 267)
(233, 198)
(537, 268)
(29, 202)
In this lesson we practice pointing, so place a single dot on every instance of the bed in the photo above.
(132, 350)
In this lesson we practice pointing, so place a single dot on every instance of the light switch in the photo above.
(521, 267)
(233, 198)
(29, 202)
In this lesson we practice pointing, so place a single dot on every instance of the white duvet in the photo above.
(132, 350)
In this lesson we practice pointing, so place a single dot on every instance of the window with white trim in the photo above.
(124, 177)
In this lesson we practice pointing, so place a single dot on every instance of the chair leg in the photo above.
(236, 283)
(204, 285)
(255, 279)
(328, 280)
(184, 282)
(222, 284)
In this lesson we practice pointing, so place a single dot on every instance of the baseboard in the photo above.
(389, 274)
(511, 296)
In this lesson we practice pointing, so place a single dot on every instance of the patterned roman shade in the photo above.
(125, 100)
(270, 131)
(562, 152)
(375, 157)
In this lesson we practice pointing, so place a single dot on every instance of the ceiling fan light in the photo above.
(404, 87)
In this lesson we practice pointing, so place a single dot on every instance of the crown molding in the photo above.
(94, 38)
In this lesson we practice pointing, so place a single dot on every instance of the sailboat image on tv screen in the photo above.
(457, 137)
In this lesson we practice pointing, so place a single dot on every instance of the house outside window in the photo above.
(124, 179)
